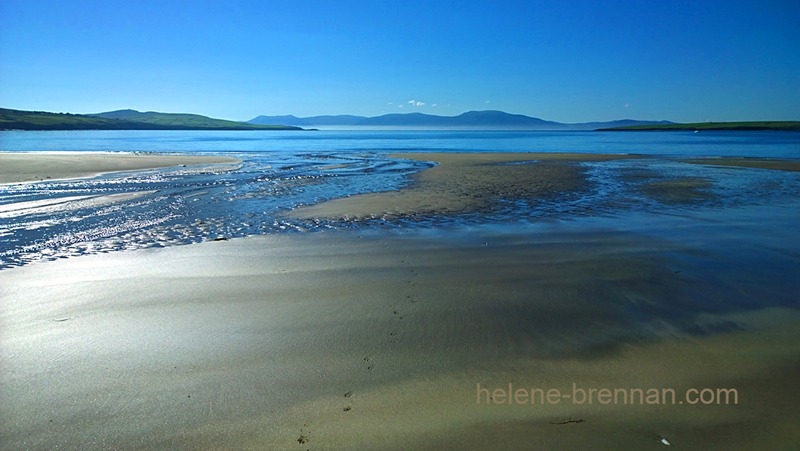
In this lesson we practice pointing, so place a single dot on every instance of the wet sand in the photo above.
(760, 163)
(18, 167)
(377, 340)
(465, 183)
(476, 182)
(354, 341)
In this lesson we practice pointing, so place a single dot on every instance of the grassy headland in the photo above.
(732, 126)
(121, 120)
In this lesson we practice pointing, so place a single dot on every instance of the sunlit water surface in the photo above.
(283, 170)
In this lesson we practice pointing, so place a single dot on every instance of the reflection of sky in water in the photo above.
(185, 205)
(282, 170)
(616, 186)
(182, 206)
(620, 182)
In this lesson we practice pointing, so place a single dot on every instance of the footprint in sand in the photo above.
(304, 435)
(371, 365)
(348, 407)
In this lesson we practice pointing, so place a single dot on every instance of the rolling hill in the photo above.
(183, 120)
(121, 120)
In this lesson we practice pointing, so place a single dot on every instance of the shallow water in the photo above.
(282, 170)
(176, 206)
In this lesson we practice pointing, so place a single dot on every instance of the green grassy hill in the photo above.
(760, 125)
(121, 120)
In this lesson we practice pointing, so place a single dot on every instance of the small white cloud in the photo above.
(416, 102)
(434, 105)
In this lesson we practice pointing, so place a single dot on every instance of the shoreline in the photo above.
(476, 182)
(24, 167)
(464, 183)
(373, 338)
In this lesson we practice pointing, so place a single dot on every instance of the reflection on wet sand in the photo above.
(601, 272)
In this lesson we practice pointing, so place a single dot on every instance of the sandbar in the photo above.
(460, 183)
(465, 183)
(17, 167)
(760, 163)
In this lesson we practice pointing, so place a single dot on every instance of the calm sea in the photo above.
(764, 144)
(282, 170)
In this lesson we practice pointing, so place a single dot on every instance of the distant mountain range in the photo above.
(480, 120)
(490, 120)
(121, 120)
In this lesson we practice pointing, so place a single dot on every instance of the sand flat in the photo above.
(345, 341)
(476, 182)
(465, 183)
(760, 163)
(16, 167)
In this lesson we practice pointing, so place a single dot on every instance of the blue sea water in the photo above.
(282, 170)
(761, 144)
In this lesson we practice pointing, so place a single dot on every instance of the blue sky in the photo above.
(568, 61)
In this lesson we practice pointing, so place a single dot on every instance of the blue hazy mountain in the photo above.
(342, 119)
(490, 119)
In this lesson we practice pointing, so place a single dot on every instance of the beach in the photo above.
(24, 167)
(374, 339)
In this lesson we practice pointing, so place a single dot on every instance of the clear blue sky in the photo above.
(560, 60)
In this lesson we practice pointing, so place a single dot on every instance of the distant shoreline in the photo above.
(18, 120)
(712, 126)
